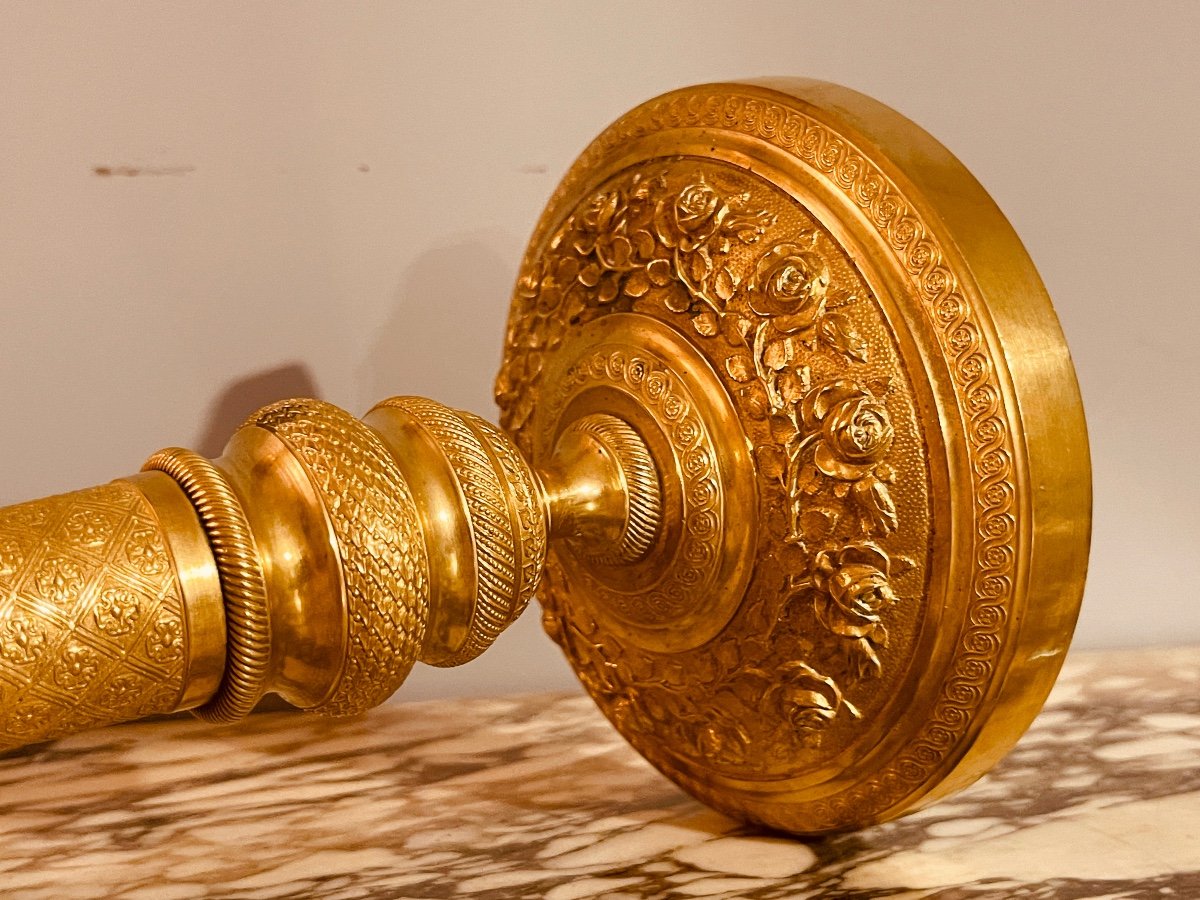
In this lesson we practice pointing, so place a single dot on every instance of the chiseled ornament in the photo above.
(877, 639)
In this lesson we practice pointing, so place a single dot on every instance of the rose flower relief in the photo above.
(683, 250)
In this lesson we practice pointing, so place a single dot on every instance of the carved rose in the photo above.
(789, 286)
(603, 210)
(616, 254)
(690, 218)
(595, 225)
(852, 587)
(809, 700)
(856, 430)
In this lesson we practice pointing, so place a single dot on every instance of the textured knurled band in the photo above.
(502, 591)
(643, 492)
(532, 517)
(247, 620)
(378, 532)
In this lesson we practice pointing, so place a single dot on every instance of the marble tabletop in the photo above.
(536, 796)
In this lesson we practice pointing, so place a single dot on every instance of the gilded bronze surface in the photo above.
(92, 614)
(789, 428)
(920, 488)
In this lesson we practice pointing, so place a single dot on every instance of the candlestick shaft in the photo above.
(110, 609)
(318, 558)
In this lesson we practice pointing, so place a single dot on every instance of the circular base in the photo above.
(851, 380)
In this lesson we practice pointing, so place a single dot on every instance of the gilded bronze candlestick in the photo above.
(791, 451)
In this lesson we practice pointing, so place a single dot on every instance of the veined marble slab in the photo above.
(536, 796)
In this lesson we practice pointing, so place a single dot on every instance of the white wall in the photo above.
(344, 191)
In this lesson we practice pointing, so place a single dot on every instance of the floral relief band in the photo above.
(652, 235)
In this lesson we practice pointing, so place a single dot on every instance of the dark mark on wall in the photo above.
(134, 171)
(363, 167)
(533, 169)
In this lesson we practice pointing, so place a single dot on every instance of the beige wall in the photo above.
(343, 192)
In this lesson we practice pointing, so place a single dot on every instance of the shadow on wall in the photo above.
(443, 337)
(240, 398)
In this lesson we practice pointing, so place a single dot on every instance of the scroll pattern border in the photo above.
(978, 391)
